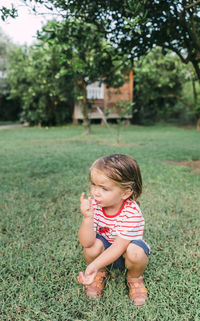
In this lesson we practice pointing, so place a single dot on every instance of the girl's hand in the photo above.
(89, 276)
(86, 206)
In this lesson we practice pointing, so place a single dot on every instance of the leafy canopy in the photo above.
(136, 26)
(158, 80)
(33, 79)
(69, 54)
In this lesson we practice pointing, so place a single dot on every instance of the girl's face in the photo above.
(106, 193)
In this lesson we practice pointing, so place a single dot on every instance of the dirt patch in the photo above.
(187, 126)
(194, 165)
(119, 144)
(10, 126)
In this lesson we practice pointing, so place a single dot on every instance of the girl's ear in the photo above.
(127, 193)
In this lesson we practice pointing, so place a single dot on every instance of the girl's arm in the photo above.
(107, 257)
(86, 232)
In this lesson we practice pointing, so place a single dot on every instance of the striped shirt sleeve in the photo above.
(132, 225)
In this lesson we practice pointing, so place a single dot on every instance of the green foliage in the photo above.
(157, 78)
(191, 91)
(9, 109)
(86, 55)
(8, 12)
(85, 52)
(5, 47)
(68, 56)
(128, 29)
(137, 26)
(46, 98)
(123, 108)
(43, 173)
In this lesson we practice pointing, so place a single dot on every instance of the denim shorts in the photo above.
(120, 262)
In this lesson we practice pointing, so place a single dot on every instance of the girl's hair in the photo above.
(123, 170)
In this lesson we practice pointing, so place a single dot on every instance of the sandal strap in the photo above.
(137, 290)
(95, 289)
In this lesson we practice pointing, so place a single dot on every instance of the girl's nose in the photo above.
(96, 191)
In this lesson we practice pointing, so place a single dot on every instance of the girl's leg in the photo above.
(90, 253)
(95, 289)
(136, 261)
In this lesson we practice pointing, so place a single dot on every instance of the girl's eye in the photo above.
(92, 184)
(105, 189)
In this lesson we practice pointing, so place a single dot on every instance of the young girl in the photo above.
(112, 227)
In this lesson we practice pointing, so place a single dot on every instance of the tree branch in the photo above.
(182, 100)
(184, 60)
(192, 4)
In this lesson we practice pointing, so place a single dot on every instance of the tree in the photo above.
(138, 26)
(68, 54)
(158, 84)
(135, 27)
(9, 110)
(190, 96)
(45, 98)
(5, 46)
(86, 56)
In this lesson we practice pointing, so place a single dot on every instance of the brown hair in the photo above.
(123, 170)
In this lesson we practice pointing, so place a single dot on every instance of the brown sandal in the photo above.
(137, 290)
(95, 289)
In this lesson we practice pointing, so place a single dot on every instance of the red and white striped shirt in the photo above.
(128, 223)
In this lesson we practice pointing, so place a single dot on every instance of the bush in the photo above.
(156, 78)
(44, 98)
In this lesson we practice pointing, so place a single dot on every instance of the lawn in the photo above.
(43, 172)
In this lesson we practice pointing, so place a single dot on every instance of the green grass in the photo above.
(43, 173)
(9, 122)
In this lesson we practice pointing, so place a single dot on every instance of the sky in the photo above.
(22, 30)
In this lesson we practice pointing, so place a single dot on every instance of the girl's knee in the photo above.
(94, 250)
(135, 254)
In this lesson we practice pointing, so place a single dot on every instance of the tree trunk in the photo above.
(196, 67)
(84, 104)
(198, 124)
(194, 91)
